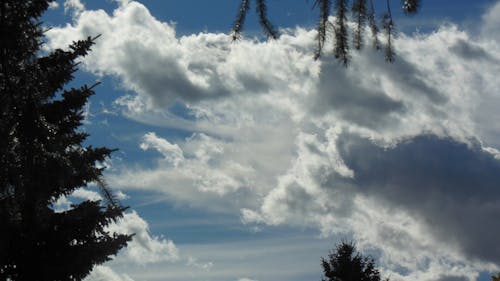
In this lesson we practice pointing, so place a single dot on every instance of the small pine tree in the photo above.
(42, 158)
(346, 264)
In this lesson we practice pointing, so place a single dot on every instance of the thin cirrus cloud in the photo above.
(401, 156)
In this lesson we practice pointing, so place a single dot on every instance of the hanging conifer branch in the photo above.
(373, 26)
(341, 47)
(107, 192)
(388, 26)
(240, 19)
(411, 6)
(363, 15)
(261, 9)
(264, 22)
(324, 11)
(359, 13)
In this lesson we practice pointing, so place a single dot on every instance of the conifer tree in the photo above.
(347, 264)
(42, 158)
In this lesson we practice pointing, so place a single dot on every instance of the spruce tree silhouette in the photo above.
(42, 158)
(346, 264)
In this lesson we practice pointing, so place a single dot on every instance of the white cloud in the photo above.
(122, 2)
(86, 194)
(200, 166)
(206, 266)
(120, 195)
(64, 203)
(144, 248)
(53, 5)
(147, 251)
(87, 114)
(171, 152)
(101, 273)
(491, 20)
(75, 7)
(399, 156)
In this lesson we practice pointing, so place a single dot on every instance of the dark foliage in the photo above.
(42, 158)
(264, 22)
(261, 10)
(363, 15)
(341, 48)
(360, 15)
(322, 24)
(372, 23)
(240, 19)
(388, 26)
(411, 6)
(346, 264)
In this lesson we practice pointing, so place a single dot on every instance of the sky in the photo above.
(250, 160)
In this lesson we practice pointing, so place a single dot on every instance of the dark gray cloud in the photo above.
(163, 78)
(408, 77)
(452, 278)
(352, 101)
(453, 187)
(469, 51)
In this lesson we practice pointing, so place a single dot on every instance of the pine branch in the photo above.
(264, 22)
(363, 14)
(94, 85)
(324, 11)
(341, 48)
(411, 6)
(373, 26)
(388, 26)
(106, 192)
(240, 19)
(360, 14)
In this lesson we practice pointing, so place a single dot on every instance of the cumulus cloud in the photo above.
(144, 247)
(75, 7)
(120, 195)
(101, 272)
(64, 203)
(401, 156)
(146, 251)
(53, 5)
(491, 21)
(455, 183)
(171, 152)
(197, 166)
(86, 194)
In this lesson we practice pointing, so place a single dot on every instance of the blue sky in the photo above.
(250, 160)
